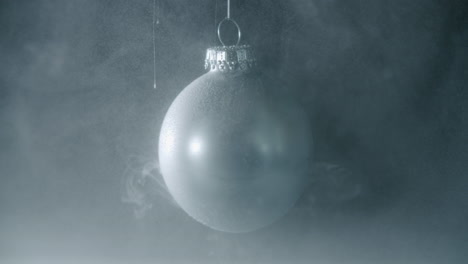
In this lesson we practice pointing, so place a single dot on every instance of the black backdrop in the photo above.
(384, 84)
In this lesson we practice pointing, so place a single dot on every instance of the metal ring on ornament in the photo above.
(239, 34)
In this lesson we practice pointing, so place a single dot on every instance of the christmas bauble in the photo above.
(233, 155)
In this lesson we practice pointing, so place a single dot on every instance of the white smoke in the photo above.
(143, 185)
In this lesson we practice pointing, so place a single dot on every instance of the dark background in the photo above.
(384, 83)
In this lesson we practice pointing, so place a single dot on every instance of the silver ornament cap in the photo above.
(230, 58)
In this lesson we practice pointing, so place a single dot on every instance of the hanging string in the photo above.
(228, 19)
(155, 23)
(216, 15)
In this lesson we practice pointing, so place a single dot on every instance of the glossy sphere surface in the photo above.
(233, 156)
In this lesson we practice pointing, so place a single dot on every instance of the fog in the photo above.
(384, 84)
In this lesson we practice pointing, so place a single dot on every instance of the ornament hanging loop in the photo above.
(239, 33)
